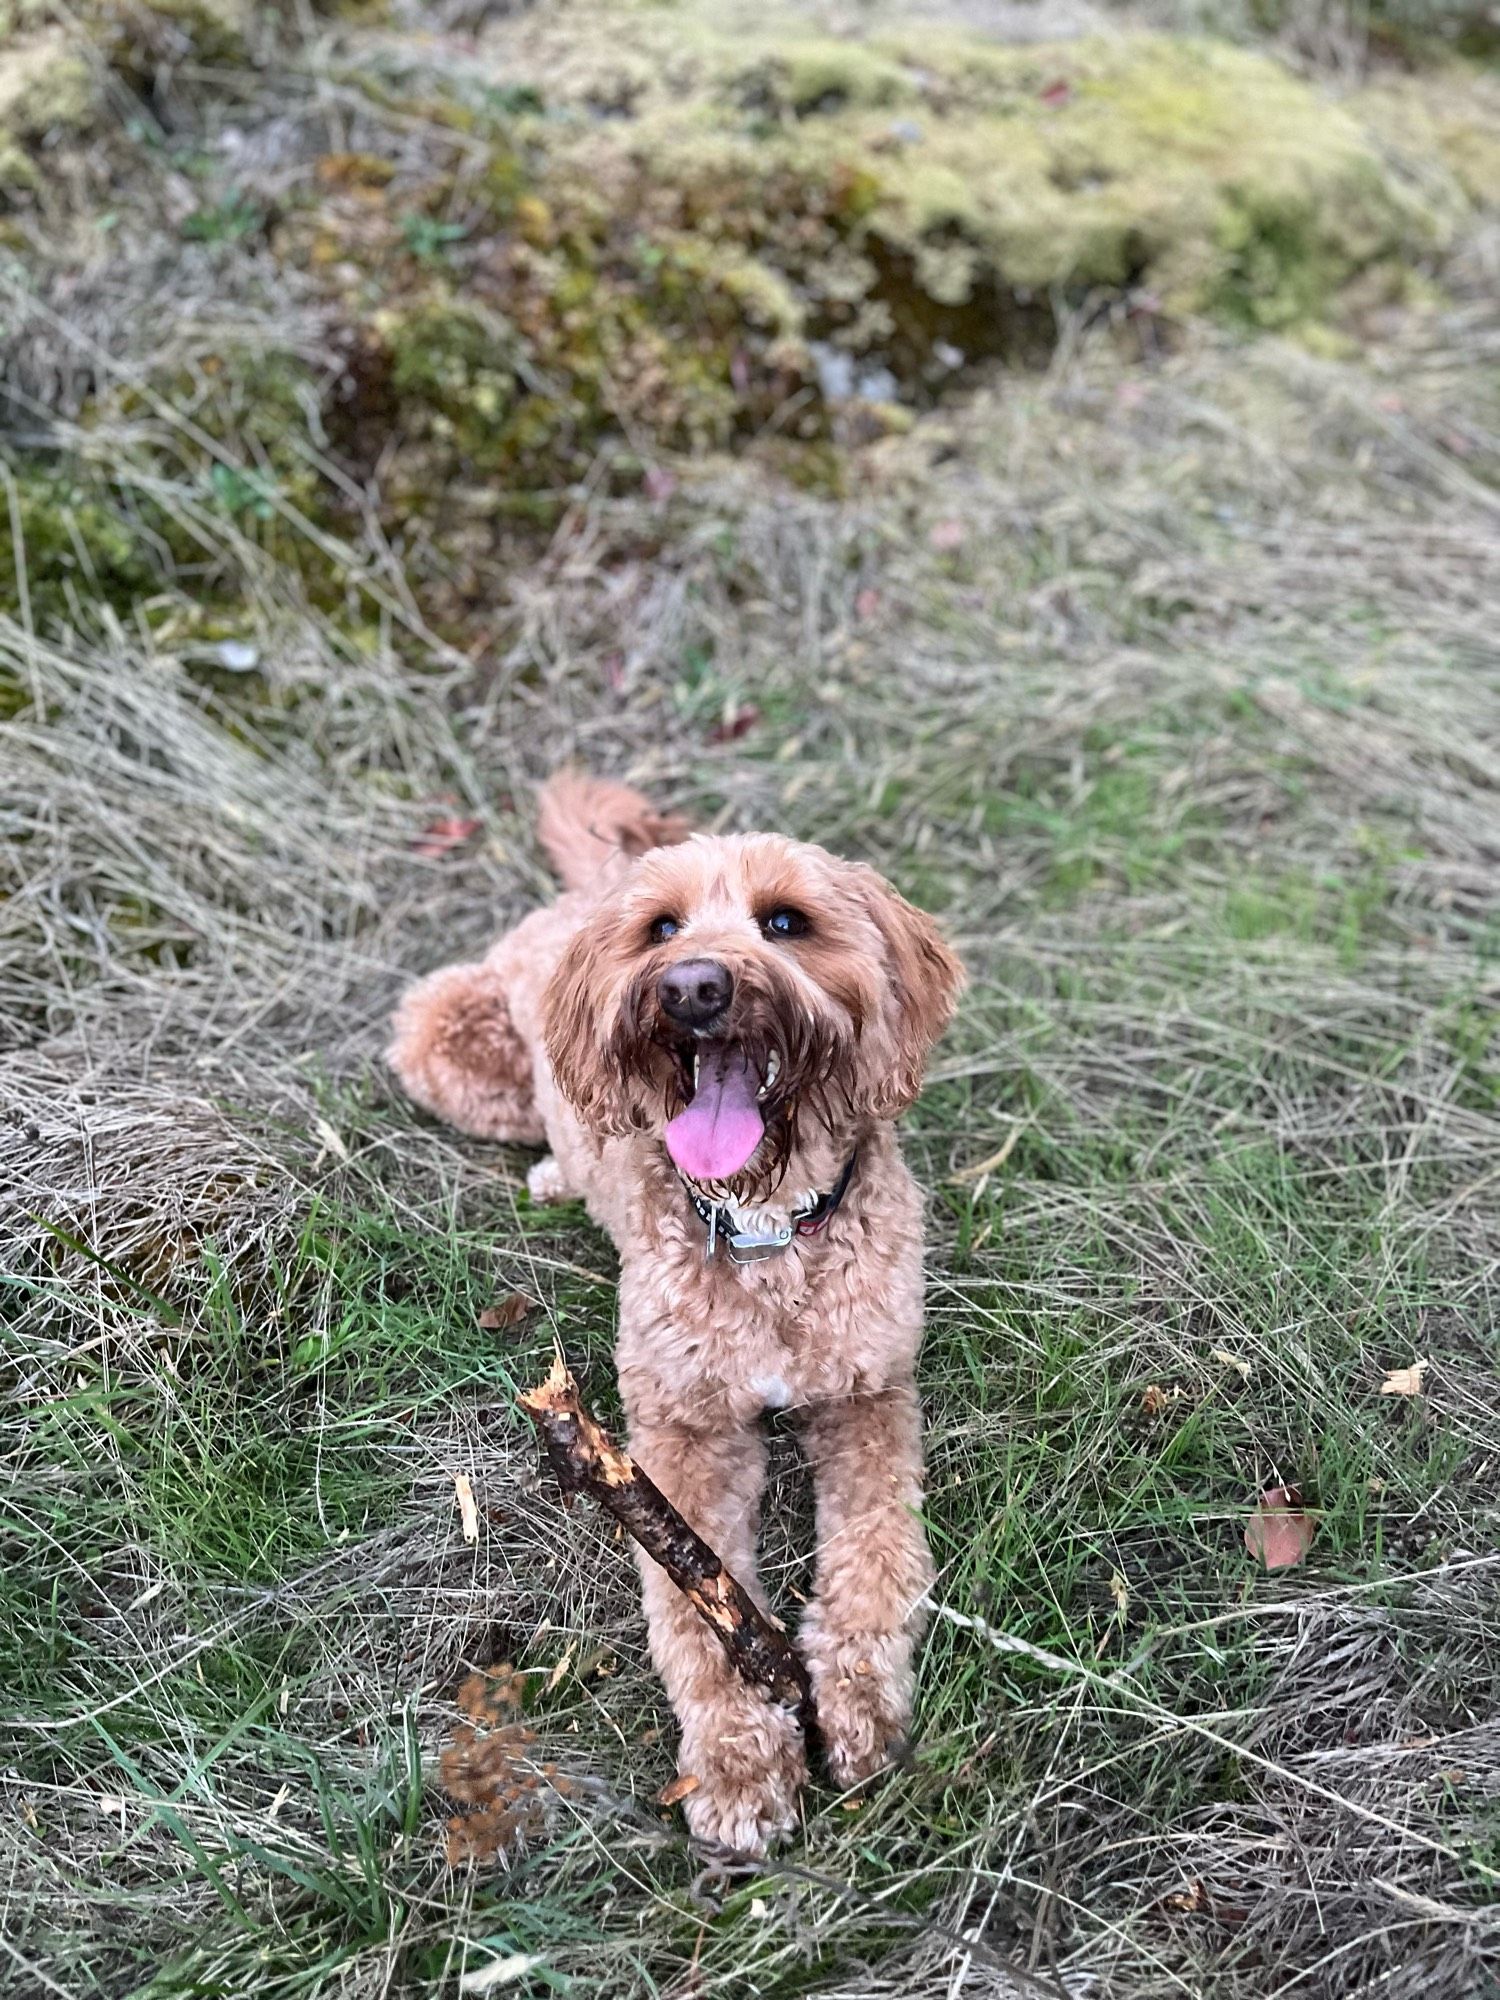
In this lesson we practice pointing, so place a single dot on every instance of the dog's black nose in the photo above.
(695, 992)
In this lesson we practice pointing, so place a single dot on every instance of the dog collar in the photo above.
(746, 1247)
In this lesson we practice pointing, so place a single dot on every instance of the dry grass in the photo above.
(1191, 731)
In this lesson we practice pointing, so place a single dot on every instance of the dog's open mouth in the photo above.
(713, 1139)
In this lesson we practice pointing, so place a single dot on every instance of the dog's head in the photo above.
(727, 989)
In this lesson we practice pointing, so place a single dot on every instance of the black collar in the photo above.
(747, 1249)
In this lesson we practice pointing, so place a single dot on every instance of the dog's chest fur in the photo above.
(815, 1322)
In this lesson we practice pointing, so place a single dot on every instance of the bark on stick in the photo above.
(586, 1460)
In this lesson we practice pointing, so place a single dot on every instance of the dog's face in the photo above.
(730, 988)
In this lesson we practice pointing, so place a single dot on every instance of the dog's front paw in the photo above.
(750, 1764)
(862, 1684)
(546, 1182)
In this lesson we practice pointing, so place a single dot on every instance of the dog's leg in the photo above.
(457, 1052)
(547, 1182)
(746, 1753)
(859, 1634)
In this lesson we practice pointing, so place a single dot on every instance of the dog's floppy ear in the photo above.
(578, 1011)
(926, 979)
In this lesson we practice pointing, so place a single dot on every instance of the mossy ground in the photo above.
(368, 457)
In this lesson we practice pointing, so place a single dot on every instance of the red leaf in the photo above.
(1278, 1533)
(733, 727)
(441, 836)
(1057, 92)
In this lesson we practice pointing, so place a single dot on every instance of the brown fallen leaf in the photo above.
(735, 723)
(1154, 1399)
(1278, 1532)
(1404, 1381)
(463, 1492)
(682, 1787)
(1189, 1900)
(442, 836)
(509, 1311)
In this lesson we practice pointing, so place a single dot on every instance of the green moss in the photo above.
(78, 545)
(46, 90)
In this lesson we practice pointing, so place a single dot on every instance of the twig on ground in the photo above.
(586, 1460)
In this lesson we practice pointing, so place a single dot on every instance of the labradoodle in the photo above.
(713, 1035)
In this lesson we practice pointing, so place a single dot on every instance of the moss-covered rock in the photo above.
(635, 228)
(48, 90)
(1207, 175)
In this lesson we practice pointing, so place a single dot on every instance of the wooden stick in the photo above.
(586, 1460)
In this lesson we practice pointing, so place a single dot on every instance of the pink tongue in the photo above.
(722, 1127)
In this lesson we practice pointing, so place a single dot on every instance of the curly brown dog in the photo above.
(714, 1035)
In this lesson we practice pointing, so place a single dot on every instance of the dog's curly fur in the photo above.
(558, 1036)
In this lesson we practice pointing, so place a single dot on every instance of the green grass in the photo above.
(1190, 740)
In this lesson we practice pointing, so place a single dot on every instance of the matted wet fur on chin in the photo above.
(812, 1053)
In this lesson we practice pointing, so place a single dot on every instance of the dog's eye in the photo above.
(784, 923)
(662, 928)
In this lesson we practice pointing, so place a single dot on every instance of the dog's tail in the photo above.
(592, 827)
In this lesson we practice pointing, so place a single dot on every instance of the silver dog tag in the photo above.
(745, 1248)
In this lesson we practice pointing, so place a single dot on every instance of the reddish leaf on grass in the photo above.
(1057, 92)
(734, 726)
(441, 836)
(866, 603)
(1278, 1533)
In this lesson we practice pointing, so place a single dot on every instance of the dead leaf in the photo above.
(560, 1670)
(464, 1493)
(1119, 1590)
(682, 1787)
(1227, 1360)
(442, 836)
(509, 1311)
(1278, 1533)
(1154, 1399)
(1404, 1381)
(1189, 1900)
(735, 724)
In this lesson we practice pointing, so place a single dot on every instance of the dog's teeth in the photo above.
(697, 1059)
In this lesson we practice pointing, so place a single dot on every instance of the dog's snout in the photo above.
(695, 992)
